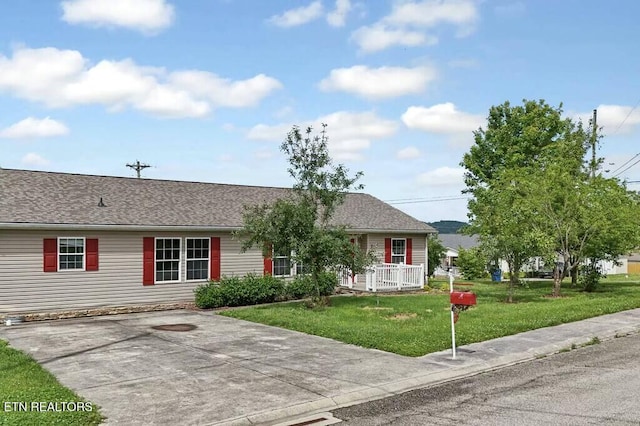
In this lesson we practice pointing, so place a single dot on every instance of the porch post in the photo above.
(422, 274)
(399, 272)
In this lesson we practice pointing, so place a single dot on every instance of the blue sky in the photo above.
(206, 91)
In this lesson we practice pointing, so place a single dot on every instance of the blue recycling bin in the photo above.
(496, 276)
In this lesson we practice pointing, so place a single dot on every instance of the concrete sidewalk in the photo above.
(228, 371)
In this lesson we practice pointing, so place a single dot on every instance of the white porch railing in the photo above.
(346, 278)
(386, 277)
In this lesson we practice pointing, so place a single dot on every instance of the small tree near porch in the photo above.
(299, 225)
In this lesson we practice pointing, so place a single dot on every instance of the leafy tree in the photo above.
(472, 263)
(517, 141)
(503, 221)
(522, 136)
(300, 224)
(588, 218)
(435, 252)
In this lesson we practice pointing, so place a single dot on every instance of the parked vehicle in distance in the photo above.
(545, 273)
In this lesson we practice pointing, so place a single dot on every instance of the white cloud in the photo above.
(442, 177)
(429, 13)
(379, 83)
(379, 37)
(614, 118)
(62, 78)
(32, 127)
(298, 16)
(338, 16)
(147, 16)
(224, 92)
(442, 119)
(33, 159)
(408, 153)
(409, 21)
(350, 133)
(263, 154)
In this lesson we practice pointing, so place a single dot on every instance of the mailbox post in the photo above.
(460, 301)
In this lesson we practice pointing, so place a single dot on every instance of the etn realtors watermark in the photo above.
(46, 406)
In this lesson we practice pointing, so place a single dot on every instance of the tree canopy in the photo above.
(299, 225)
(533, 193)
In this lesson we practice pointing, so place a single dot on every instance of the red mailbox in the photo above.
(463, 298)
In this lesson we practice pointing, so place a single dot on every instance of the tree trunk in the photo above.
(557, 281)
(512, 282)
(574, 275)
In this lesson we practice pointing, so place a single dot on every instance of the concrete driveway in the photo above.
(225, 369)
(236, 372)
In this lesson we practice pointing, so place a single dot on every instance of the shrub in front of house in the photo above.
(302, 286)
(235, 291)
(255, 289)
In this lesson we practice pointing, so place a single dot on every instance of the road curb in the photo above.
(455, 372)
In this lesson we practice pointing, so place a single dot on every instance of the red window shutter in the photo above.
(215, 259)
(50, 252)
(92, 254)
(268, 264)
(387, 250)
(148, 260)
(409, 252)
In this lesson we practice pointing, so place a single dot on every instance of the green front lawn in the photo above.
(415, 325)
(28, 394)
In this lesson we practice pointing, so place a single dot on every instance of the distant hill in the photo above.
(447, 226)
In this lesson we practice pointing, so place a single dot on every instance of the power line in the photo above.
(428, 200)
(420, 198)
(627, 162)
(625, 119)
(630, 166)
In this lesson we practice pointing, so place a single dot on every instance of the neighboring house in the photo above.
(633, 263)
(453, 243)
(71, 241)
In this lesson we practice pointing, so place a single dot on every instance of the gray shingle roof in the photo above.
(31, 197)
(455, 241)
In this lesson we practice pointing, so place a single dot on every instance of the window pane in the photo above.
(197, 258)
(167, 259)
(197, 269)
(281, 266)
(70, 253)
(398, 247)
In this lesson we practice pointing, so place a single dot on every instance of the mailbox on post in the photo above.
(465, 298)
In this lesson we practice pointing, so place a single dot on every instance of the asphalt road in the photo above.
(593, 385)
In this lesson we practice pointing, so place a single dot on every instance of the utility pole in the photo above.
(594, 139)
(138, 167)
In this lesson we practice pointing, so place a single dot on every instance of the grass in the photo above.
(415, 325)
(22, 380)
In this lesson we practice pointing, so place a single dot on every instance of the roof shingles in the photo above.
(31, 197)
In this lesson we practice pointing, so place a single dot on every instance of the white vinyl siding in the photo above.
(25, 287)
(375, 242)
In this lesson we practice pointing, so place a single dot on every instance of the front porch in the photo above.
(384, 277)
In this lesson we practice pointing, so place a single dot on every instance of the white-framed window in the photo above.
(281, 266)
(167, 259)
(398, 250)
(71, 253)
(197, 255)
